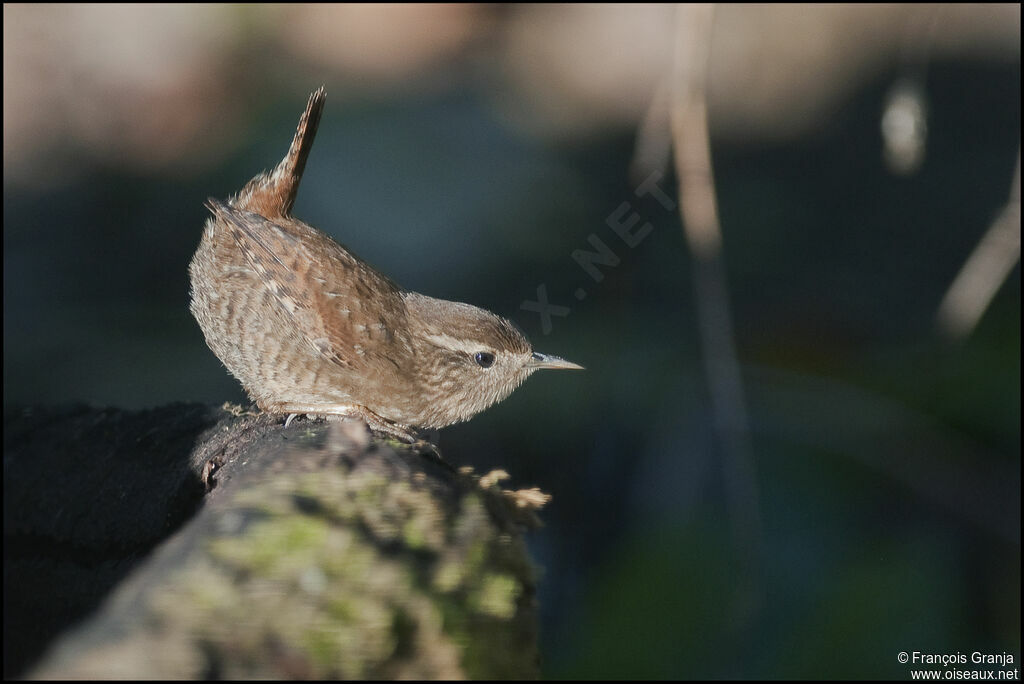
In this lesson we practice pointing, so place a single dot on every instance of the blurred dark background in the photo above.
(467, 151)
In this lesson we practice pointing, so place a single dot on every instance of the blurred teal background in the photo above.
(467, 152)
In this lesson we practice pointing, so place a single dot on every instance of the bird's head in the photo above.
(469, 358)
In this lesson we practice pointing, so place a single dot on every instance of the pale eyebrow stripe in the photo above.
(458, 344)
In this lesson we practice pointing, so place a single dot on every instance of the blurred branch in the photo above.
(699, 214)
(985, 270)
(654, 138)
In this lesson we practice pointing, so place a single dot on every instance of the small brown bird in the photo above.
(308, 327)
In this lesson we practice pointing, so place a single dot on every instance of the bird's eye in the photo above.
(484, 359)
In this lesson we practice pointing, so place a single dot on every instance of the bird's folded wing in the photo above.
(340, 305)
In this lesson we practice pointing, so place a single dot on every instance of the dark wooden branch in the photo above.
(227, 546)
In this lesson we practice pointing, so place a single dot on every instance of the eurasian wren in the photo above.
(308, 327)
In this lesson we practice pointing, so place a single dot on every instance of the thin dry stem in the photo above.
(985, 270)
(699, 213)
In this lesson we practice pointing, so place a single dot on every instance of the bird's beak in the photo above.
(546, 361)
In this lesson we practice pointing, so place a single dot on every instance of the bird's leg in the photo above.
(404, 433)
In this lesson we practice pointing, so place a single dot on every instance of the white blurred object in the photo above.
(905, 127)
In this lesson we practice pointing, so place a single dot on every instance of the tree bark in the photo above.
(220, 544)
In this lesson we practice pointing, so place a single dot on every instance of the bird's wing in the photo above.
(347, 311)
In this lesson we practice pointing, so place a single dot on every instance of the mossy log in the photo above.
(213, 543)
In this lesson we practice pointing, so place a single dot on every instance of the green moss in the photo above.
(449, 576)
(273, 546)
(353, 575)
(497, 596)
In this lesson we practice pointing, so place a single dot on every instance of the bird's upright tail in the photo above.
(273, 194)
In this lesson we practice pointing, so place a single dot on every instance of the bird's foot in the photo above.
(377, 424)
